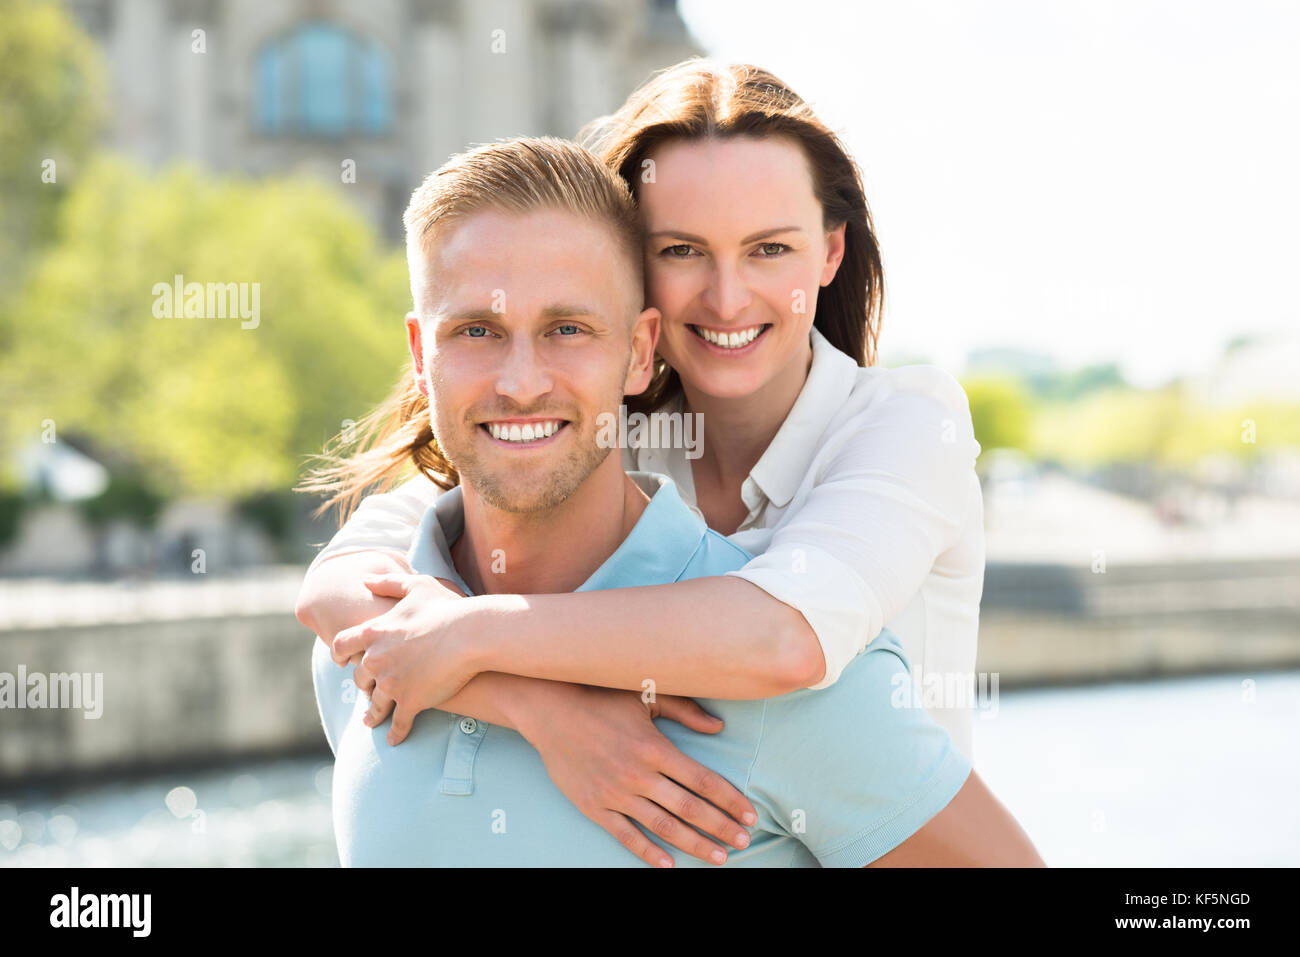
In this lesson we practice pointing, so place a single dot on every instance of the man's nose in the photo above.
(523, 376)
(727, 293)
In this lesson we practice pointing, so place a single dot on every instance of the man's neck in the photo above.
(553, 550)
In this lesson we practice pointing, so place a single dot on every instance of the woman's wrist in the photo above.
(483, 629)
(535, 702)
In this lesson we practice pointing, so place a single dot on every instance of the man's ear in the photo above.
(834, 253)
(415, 342)
(645, 336)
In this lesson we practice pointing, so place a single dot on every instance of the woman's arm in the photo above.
(375, 539)
(714, 637)
(719, 637)
(333, 597)
(895, 500)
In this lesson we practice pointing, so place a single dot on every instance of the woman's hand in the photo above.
(404, 658)
(602, 750)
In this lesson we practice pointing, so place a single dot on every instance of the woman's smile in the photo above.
(729, 342)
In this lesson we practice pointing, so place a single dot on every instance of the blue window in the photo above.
(323, 80)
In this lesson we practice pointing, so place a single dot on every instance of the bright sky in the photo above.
(1094, 179)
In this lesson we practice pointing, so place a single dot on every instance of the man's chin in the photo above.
(516, 490)
(521, 501)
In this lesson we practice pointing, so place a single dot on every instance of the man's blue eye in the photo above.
(574, 328)
(475, 329)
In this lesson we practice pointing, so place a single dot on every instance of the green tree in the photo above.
(205, 405)
(50, 111)
(1000, 413)
(1164, 426)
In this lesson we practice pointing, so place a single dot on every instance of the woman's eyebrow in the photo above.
(752, 237)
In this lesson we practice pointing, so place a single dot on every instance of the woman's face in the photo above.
(735, 248)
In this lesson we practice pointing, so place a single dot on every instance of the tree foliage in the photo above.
(51, 107)
(203, 405)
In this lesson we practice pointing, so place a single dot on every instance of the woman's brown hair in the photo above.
(697, 99)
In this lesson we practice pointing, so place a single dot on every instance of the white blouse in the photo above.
(864, 512)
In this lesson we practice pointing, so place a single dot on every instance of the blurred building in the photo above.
(395, 86)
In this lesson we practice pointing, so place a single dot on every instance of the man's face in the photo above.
(530, 323)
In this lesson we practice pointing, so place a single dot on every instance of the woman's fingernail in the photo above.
(718, 857)
(749, 817)
(665, 862)
(741, 840)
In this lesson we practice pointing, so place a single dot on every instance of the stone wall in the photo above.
(207, 670)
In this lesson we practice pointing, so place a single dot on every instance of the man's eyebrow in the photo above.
(464, 314)
(567, 310)
(751, 238)
(561, 310)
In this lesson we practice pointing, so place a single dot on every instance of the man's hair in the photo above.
(522, 176)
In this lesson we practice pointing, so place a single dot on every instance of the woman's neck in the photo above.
(737, 431)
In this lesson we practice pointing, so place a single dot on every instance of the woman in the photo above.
(853, 485)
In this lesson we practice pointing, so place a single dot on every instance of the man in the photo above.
(529, 329)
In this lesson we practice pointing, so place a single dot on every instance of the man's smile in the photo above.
(533, 433)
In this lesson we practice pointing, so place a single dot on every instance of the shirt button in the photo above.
(468, 725)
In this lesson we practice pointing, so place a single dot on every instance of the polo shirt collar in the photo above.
(781, 469)
(441, 526)
(655, 552)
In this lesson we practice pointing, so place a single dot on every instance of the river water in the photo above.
(1187, 772)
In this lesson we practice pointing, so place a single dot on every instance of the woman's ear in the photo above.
(834, 253)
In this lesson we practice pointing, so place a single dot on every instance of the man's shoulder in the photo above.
(870, 724)
(715, 555)
(680, 531)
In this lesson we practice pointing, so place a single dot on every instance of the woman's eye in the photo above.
(680, 251)
(773, 249)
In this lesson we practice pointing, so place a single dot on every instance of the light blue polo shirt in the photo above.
(838, 776)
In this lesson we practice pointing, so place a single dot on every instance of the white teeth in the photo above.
(529, 432)
(733, 340)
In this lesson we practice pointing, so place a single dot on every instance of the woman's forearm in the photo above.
(333, 596)
(510, 701)
(715, 637)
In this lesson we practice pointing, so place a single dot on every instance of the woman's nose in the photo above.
(727, 294)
